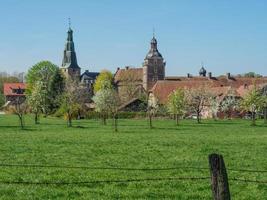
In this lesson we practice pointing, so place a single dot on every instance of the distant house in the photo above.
(221, 87)
(134, 105)
(88, 78)
(13, 91)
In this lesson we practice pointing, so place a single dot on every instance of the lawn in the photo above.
(89, 146)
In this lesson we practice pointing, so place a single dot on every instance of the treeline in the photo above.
(49, 93)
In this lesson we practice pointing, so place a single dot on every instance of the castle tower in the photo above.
(153, 66)
(70, 66)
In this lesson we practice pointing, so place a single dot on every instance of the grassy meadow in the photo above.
(92, 145)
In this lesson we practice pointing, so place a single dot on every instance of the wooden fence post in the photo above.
(219, 179)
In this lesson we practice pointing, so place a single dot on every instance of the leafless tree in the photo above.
(19, 108)
(197, 99)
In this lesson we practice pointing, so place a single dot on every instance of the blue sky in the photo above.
(228, 35)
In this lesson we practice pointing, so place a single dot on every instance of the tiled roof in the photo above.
(219, 86)
(129, 74)
(9, 87)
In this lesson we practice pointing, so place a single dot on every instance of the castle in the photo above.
(150, 78)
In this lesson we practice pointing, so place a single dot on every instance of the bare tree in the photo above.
(152, 109)
(19, 108)
(72, 100)
(197, 99)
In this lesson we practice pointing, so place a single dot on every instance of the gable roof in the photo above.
(9, 87)
(129, 74)
(220, 86)
(89, 75)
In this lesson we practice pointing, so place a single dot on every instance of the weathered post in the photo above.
(219, 179)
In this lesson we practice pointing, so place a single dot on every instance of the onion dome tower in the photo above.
(153, 66)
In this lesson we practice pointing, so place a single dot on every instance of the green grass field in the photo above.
(90, 144)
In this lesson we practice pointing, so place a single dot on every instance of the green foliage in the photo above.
(52, 84)
(103, 81)
(253, 102)
(176, 102)
(2, 99)
(43, 71)
(56, 89)
(167, 146)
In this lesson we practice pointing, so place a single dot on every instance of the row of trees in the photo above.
(181, 102)
(48, 92)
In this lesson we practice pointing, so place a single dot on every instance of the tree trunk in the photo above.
(21, 121)
(36, 118)
(104, 120)
(229, 114)
(150, 121)
(69, 121)
(265, 115)
(253, 119)
(115, 122)
(177, 119)
(198, 118)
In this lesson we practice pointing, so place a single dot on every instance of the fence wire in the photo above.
(100, 168)
(124, 168)
(85, 183)
(106, 181)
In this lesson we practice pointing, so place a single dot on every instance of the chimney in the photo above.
(127, 67)
(228, 75)
(210, 75)
(188, 75)
(118, 68)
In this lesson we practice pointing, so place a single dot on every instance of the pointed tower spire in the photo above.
(69, 55)
(70, 66)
